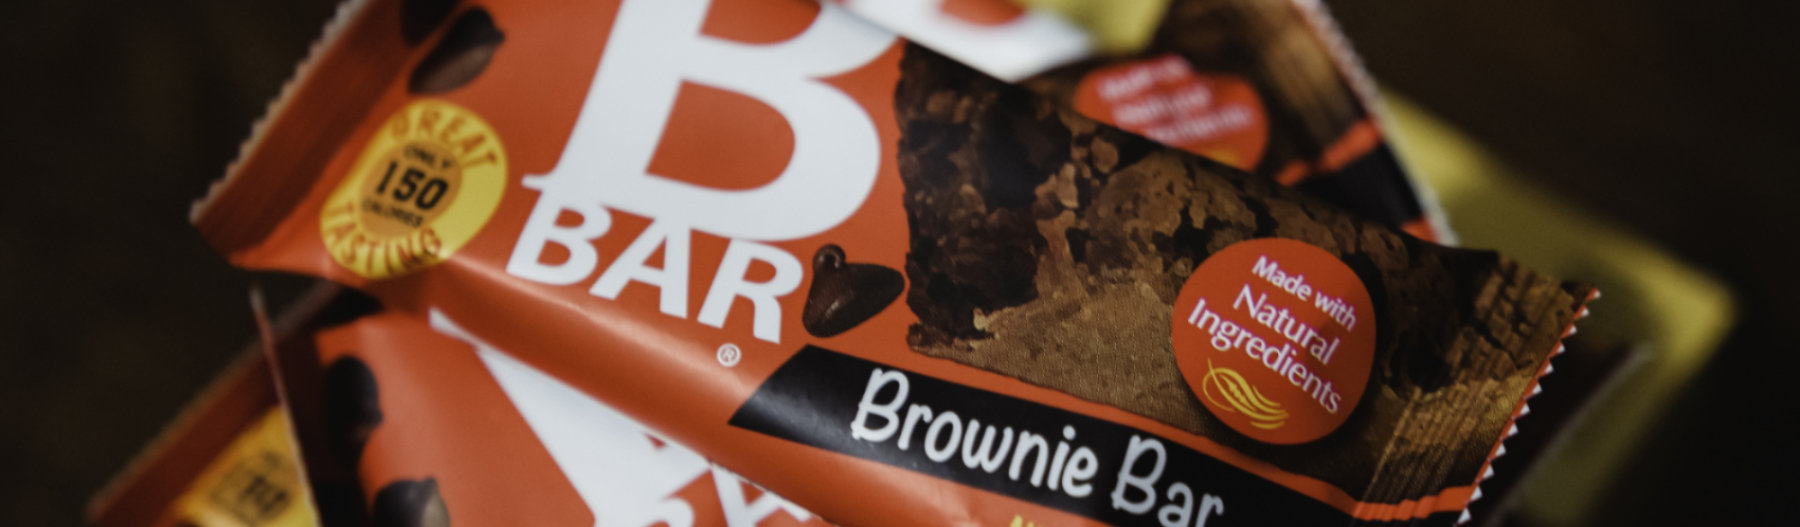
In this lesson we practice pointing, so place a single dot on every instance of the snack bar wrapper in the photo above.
(228, 460)
(879, 283)
(1267, 86)
(411, 423)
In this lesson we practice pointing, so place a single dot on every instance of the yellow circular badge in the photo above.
(424, 185)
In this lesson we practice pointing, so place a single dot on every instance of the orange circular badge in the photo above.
(1276, 338)
(1216, 115)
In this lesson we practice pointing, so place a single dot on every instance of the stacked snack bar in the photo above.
(883, 284)
(228, 459)
(375, 408)
(1266, 86)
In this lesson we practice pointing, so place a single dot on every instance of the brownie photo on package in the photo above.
(1049, 247)
(1320, 132)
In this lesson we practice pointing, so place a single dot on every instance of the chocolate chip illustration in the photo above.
(419, 17)
(411, 503)
(461, 56)
(845, 294)
(352, 407)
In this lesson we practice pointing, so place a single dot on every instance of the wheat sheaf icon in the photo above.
(1239, 396)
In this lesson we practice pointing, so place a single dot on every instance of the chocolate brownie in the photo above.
(1049, 247)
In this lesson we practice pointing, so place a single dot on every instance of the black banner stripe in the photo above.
(815, 398)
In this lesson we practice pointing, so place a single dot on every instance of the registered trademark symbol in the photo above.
(729, 354)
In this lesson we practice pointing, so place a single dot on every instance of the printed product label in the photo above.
(253, 483)
(424, 185)
(1091, 467)
(1276, 338)
(1215, 115)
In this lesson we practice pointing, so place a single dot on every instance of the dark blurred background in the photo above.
(1672, 118)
